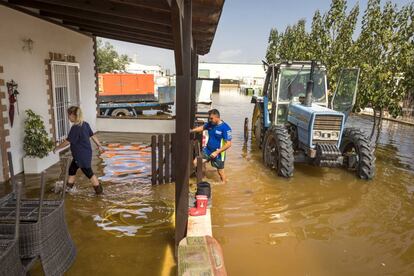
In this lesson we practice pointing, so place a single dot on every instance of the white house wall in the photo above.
(27, 69)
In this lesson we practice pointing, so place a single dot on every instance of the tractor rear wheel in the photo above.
(356, 146)
(278, 151)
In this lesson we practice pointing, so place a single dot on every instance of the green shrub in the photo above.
(36, 140)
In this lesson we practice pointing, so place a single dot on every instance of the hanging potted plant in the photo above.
(37, 145)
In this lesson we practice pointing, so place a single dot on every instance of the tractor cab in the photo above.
(290, 88)
(293, 121)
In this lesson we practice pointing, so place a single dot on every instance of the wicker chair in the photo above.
(43, 232)
(10, 264)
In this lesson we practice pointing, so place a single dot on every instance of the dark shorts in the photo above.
(74, 168)
(216, 163)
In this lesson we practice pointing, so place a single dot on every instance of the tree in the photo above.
(318, 39)
(294, 43)
(380, 47)
(342, 47)
(108, 59)
(384, 51)
(272, 53)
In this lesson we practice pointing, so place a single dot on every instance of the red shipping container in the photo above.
(126, 84)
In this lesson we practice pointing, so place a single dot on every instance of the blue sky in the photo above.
(243, 30)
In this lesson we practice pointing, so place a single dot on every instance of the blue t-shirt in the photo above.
(217, 135)
(80, 144)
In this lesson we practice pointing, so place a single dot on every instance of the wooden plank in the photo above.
(194, 73)
(160, 159)
(103, 7)
(167, 174)
(182, 129)
(134, 34)
(56, 12)
(176, 24)
(83, 22)
(152, 44)
(137, 39)
(199, 169)
(173, 155)
(153, 160)
(163, 5)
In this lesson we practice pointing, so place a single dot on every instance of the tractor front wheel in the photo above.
(278, 151)
(358, 153)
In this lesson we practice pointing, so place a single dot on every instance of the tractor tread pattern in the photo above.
(285, 149)
(366, 166)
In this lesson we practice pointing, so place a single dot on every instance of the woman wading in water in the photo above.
(80, 145)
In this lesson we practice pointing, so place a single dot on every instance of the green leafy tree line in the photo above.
(383, 50)
(108, 59)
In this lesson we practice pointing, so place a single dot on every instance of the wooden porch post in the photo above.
(194, 75)
(183, 124)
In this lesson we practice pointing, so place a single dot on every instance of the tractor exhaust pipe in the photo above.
(309, 86)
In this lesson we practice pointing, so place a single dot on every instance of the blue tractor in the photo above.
(293, 121)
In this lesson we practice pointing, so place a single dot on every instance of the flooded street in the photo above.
(322, 221)
(127, 231)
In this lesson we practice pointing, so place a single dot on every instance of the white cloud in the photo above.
(229, 55)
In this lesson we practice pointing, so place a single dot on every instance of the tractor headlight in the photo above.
(317, 134)
(335, 134)
(325, 135)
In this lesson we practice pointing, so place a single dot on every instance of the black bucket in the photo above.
(203, 188)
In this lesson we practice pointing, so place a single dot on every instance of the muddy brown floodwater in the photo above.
(322, 221)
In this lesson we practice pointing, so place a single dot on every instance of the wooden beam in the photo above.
(107, 8)
(160, 159)
(194, 74)
(182, 129)
(77, 21)
(37, 15)
(163, 5)
(123, 32)
(57, 11)
(131, 40)
(153, 159)
(176, 24)
(167, 173)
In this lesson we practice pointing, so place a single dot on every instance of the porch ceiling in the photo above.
(147, 22)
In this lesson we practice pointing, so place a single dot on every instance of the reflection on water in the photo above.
(133, 216)
(136, 218)
(323, 221)
(127, 231)
(126, 163)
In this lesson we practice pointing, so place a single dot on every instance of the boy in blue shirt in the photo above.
(219, 140)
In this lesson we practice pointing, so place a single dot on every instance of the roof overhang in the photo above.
(147, 22)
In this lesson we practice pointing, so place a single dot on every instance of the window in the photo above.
(294, 81)
(65, 87)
